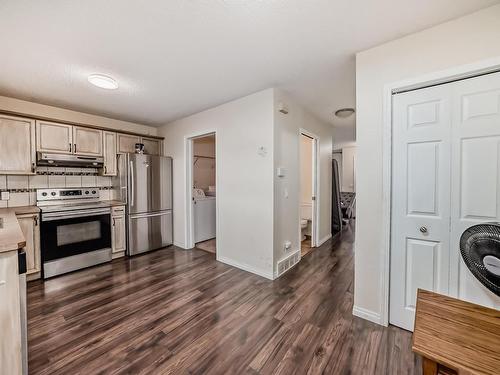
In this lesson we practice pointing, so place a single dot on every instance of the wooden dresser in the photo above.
(455, 336)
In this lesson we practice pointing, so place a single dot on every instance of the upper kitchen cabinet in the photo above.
(152, 146)
(126, 143)
(109, 147)
(54, 138)
(87, 141)
(17, 145)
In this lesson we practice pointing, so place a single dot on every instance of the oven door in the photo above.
(71, 233)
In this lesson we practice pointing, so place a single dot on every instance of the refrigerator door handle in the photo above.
(132, 192)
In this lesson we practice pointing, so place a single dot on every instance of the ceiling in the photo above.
(178, 57)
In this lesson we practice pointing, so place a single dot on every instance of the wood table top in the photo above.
(457, 334)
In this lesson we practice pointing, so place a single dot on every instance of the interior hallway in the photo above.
(178, 311)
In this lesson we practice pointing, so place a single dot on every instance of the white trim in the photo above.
(371, 316)
(188, 183)
(324, 239)
(455, 73)
(245, 267)
(316, 185)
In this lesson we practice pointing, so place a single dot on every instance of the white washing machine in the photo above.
(204, 219)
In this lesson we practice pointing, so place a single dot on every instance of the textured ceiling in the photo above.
(178, 57)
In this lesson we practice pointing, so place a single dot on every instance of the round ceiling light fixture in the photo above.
(102, 81)
(344, 112)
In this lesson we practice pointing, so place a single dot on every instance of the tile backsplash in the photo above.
(22, 189)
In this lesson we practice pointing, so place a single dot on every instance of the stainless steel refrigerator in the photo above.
(145, 183)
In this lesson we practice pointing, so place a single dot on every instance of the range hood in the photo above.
(62, 160)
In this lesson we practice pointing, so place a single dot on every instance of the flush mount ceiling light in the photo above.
(102, 81)
(344, 112)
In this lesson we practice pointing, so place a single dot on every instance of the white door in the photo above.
(420, 199)
(475, 187)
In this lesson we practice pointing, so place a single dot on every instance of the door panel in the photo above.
(87, 141)
(53, 137)
(475, 189)
(149, 232)
(420, 202)
(17, 157)
(151, 183)
(109, 150)
(126, 143)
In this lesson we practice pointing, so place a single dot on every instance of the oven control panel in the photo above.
(57, 194)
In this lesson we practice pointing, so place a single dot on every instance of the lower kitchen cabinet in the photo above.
(31, 231)
(119, 242)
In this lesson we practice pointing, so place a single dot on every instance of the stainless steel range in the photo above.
(75, 229)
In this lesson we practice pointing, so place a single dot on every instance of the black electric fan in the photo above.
(480, 249)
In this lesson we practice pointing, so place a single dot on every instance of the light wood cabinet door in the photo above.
(10, 315)
(17, 145)
(31, 231)
(87, 141)
(54, 137)
(118, 238)
(152, 146)
(109, 148)
(126, 143)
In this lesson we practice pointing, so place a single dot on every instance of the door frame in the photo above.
(188, 185)
(436, 78)
(315, 187)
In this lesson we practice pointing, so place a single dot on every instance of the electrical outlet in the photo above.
(5, 196)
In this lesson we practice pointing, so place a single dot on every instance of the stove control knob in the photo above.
(44, 194)
(93, 192)
(53, 193)
(86, 191)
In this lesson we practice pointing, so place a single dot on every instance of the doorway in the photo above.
(202, 196)
(308, 191)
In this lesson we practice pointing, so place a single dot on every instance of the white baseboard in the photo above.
(367, 315)
(245, 267)
(181, 245)
(324, 239)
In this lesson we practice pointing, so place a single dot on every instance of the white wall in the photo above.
(40, 110)
(286, 154)
(244, 178)
(462, 41)
(348, 169)
(344, 136)
(306, 160)
(204, 169)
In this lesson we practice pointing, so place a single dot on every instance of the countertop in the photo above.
(11, 236)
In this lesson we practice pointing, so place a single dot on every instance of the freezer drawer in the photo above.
(149, 232)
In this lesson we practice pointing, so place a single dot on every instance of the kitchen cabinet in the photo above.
(126, 143)
(152, 146)
(17, 145)
(109, 151)
(10, 314)
(54, 137)
(87, 141)
(31, 231)
(118, 229)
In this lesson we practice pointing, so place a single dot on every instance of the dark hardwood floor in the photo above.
(175, 311)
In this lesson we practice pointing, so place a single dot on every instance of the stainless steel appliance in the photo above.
(63, 160)
(75, 229)
(145, 182)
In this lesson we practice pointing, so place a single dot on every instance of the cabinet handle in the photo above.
(105, 170)
(36, 221)
(74, 148)
(70, 147)
(32, 167)
(113, 221)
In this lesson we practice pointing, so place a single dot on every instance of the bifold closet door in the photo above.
(420, 233)
(475, 188)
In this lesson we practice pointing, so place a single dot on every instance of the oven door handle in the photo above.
(51, 216)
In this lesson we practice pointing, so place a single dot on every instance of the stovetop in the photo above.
(69, 199)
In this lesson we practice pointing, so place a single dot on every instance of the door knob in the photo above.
(423, 230)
